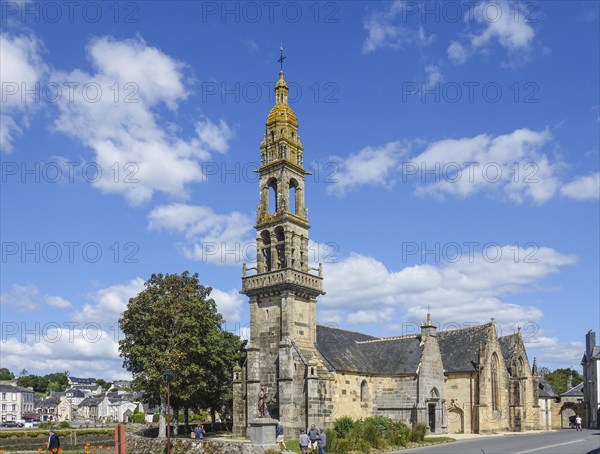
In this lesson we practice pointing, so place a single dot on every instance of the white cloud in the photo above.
(22, 67)
(58, 302)
(55, 348)
(500, 22)
(251, 45)
(465, 290)
(383, 33)
(109, 303)
(209, 237)
(366, 316)
(583, 188)
(21, 297)
(122, 124)
(229, 305)
(434, 75)
(514, 167)
(371, 166)
(552, 352)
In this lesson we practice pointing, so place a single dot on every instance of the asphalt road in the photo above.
(566, 441)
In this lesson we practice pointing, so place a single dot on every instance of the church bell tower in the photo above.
(282, 287)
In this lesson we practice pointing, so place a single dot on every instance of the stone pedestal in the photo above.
(262, 431)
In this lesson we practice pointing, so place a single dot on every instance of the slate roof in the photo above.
(546, 389)
(349, 351)
(82, 381)
(90, 401)
(74, 392)
(50, 402)
(574, 391)
(507, 345)
(460, 347)
(14, 389)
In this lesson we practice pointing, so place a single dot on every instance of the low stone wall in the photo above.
(137, 444)
(71, 440)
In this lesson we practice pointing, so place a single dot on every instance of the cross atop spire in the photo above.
(281, 57)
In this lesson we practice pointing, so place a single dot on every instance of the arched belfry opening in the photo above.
(266, 249)
(294, 195)
(272, 198)
(281, 247)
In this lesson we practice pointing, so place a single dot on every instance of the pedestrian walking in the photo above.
(322, 441)
(313, 435)
(53, 441)
(304, 441)
(578, 422)
(279, 436)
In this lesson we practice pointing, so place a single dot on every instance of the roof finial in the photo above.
(281, 57)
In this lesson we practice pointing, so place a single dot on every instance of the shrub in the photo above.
(64, 425)
(138, 418)
(417, 434)
(155, 417)
(340, 446)
(398, 434)
(343, 426)
(370, 434)
(331, 436)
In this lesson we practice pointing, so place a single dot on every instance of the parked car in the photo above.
(12, 424)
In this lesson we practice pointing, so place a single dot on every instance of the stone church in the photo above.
(467, 380)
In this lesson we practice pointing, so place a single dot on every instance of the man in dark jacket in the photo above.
(53, 441)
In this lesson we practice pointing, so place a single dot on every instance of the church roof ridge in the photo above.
(346, 330)
(383, 339)
(478, 327)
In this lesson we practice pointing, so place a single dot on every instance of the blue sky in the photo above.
(454, 151)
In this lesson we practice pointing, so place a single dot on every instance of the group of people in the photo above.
(311, 441)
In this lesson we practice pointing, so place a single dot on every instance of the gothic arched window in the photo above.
(363, 391)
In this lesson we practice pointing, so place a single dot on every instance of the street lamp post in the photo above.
(167, 376)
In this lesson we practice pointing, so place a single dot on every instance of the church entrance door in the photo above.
(431, 411)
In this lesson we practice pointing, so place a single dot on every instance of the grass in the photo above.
(438, 439)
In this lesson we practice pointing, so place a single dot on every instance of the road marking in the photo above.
(550, 446)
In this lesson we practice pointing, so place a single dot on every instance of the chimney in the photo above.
(590, 341)
(569, 381)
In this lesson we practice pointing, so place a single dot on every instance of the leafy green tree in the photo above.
(560, 377)
(173, 324)
(105, 384)
(6, 374)
(30, 380)
(57, 381)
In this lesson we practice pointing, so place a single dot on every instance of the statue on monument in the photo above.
(262, 403)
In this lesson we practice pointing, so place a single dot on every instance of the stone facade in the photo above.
(467, 380)
(591, 378)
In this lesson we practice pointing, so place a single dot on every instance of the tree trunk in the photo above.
(213, 418)
(186, 415)
(162, 420)
(175, 421)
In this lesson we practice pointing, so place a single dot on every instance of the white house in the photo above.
(16, 402)
(74, 396)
